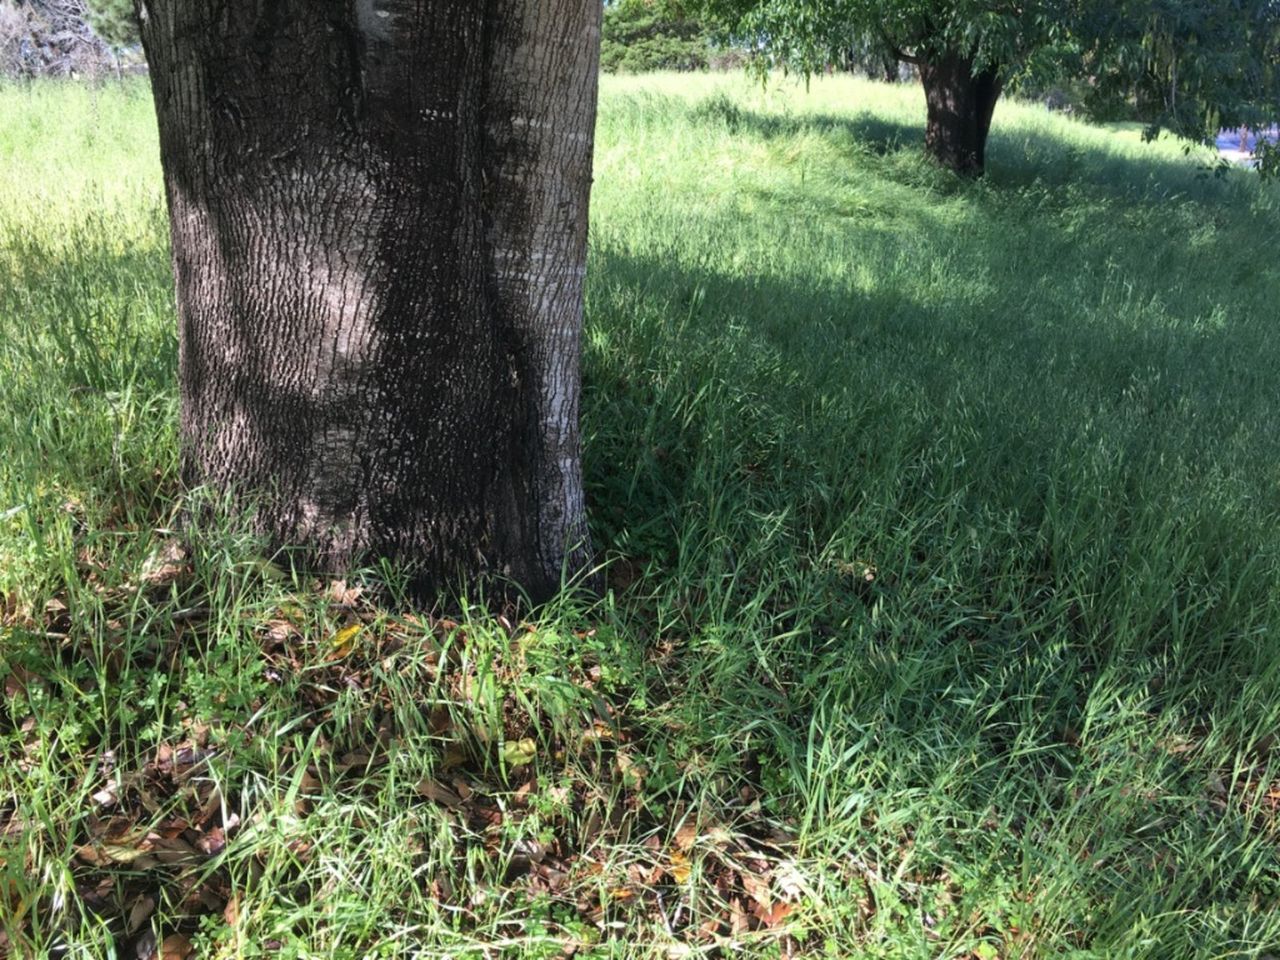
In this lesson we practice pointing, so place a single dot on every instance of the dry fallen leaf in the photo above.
(439, 793)
(772, 917)
(680, 868)
(342, 594)
(757, 889)
(633, 773)
(142, 909)
(165, 565)
(686, 836)
(176, 947)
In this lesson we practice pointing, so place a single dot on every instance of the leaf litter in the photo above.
(159, 831)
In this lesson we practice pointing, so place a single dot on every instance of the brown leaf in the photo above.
(176, 947)
(308, 785)
(653, 876)
(231, 912)
(434, 790)
(686, 836)
(13, 825)
(633, 773)
(771, 917)
(343, 595)
(757, 888)
(139, 913)
(213, 842)
(167, 563)
(174, 851)
(16, 683)
(709, 929)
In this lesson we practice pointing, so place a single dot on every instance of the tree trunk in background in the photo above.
(961, 104)
(379, 217)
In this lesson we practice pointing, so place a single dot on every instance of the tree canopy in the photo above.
(114, 21)
(640, 35)
(1191, 66)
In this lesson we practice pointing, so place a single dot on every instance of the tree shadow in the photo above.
(1017, 157)
(88, 299)
(720, 403)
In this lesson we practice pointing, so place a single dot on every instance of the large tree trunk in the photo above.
(379, 215)
(961, 103)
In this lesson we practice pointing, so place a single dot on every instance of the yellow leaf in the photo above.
(680, 868)
(518, 753)
(344, 640)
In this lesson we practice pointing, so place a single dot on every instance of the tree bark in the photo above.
(961, 103)
(379, 213)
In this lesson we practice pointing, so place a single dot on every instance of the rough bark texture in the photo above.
(961, 104)
(379, 213)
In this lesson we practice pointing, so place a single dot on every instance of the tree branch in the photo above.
(897, 52)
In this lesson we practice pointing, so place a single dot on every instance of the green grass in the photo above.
(944, 531)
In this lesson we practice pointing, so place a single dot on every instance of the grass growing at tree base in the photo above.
(944, 578)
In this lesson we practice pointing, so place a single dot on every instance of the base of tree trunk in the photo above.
(961, 104)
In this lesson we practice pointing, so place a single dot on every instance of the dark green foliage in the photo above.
(643, 35)
(114, 21)
(1191, 66)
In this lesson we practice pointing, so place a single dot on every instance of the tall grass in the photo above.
(944, 544)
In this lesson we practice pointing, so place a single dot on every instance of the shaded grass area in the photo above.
(942, 529)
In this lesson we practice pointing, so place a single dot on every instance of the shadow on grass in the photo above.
(86, 308)
(828, 403)
(898, 564)
(1014, 158)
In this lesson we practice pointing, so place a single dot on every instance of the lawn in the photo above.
(942, 524)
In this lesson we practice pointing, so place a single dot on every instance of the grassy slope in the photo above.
(946, 578)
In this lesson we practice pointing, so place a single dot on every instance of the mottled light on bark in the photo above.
(961, 104)
(379, 213)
